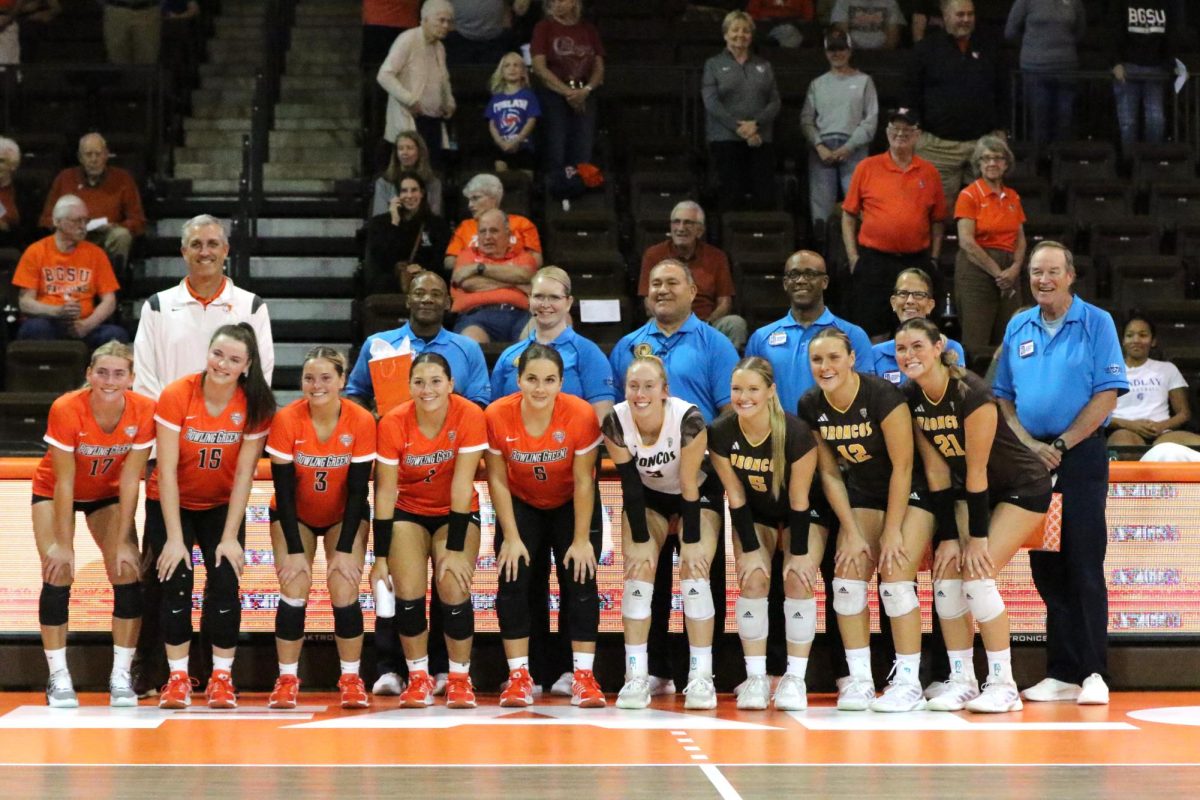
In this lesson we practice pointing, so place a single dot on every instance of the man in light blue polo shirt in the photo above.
(428, 302)
(785, 342)
(1059, 373)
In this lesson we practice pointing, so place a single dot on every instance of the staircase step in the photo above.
(209, 155)
(293, 83)
(172, 227)
(289, 186)
(238, 30)
(223, 187)
(343, 108)
(202, 171)
(211, 138)
(214, 71)
(240, 83)
(285, 227)
(301, 67)
(240, 123)
(294, 94)
(288, 266)
(224, 96)
(316, 154)
(239, 111)
(320, 55)
(313, 171)
(286, 139)
(344, 122)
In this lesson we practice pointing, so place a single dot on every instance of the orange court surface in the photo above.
(1145, 744)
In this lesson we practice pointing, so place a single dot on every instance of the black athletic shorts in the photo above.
(712, 493)
(319, 530)
(88, 507)
(918, 497)
(430, 522)
(1037, 503)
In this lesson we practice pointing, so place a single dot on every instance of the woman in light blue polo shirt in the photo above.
(912, 298)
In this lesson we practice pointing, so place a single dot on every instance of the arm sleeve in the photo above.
(1015, 24)
(284, 478)
(359, 383)
(852, 203)
(799, 439)
(722, 359)
(388, 75)
(260, 320)
(1002, 384)
(611, 428)
(808, 117)
(500, 377)
(383, 194)
(771, 110)
(966, 206)
(1175, 379)
(633, 497)
(357, 478)
(690, 426)
(710, 93)
(478, 388)
(619, 360)
(1108, 364)
(594, 371)
(862, 135)
(145, 356)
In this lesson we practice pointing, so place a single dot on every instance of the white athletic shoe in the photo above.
(661, 687)
(120, 690)
(737, 690)
(899, 697)
(537, 687)
(756, 693)
(562, 686)
(700, 692)
(1050, 690)
(856, 695)
(389, 684)
(439, 683)
(60, 691)
(951, 695)
(842, 683)
(1094, 691)
(791, 694)
(635, 693)
(997, 697)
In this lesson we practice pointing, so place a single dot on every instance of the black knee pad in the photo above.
(584, 618)
(410, 616)
(223, 620)
(289, 621)
(176, 609)
(459, 621)
(54, 605)
(512, 610)
(348, 621)
(127, 601)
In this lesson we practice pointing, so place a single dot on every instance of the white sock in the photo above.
(859, 662)
(962, 662)
(756, 665)
(637, 663)
(289, 669)
(457, 668)
(122, 658)
(515, 664)
(56, 660)
(797, 665)
(178, 664)
(583, 661)
(908, 668)
(700, 659)
(1000, 665)
(417, 664)
(222, 663)
(349, 667)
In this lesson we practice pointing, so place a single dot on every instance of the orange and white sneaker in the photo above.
(586, 691)
(459, 691)
(519, 693)
(220, 691)
(287, 687)
(419, 692)
(354, 691)
(178, 691)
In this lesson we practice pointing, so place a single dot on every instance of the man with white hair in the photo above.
(415, 76)
(484, 192)
(10, 212)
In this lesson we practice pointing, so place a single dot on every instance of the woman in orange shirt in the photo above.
(100, 438)
(429, 450)
(211, 430)
(322, 448)
(542, 448)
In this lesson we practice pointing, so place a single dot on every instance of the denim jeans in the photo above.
(825, 180)
(567, 134)
(1143, 87)
(45, 328)
(1051, 103)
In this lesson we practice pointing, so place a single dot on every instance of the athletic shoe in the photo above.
(952, 695)
(997, 697)
(899, 697)
(287, 688)
(460, 693)
(120, 690)
(439, 683)
(1094, 691)
(635, 693)
(1050, 690)
(756, 693)
(220, 691)
(856, 695)
(661, 687)
(419, 693)
(177, 693)
(586, 691)
(60, 691)
(737, 690)
(354, 691)
(537, 688)
(842, 683)
(562, 686)
(389, 684)
(791, 694)
(519, 691)
(700, 692)
(145, 665)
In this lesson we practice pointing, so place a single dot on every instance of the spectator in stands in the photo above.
(1049, 31)
(410, 154)
(874, 24)
(912, 298)
(415, 77)
(491, 283)
(897, 198)
(484, 193)
(512, 114)
(780, 21)
(926, 17)
(685, 243)
(483, 30)
(956, 86)
(404, 240)
(382, 22)
(568, 59)
(11, 13)
(840, 114)
(111, 195)
(68, 289)
(180, 53)
(132, 30)
(991, 249)
(1157, 405)
(1148, 34)
(10, 211)
(741, 102)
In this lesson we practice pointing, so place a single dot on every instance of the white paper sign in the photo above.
(98, 222)
(599, 310)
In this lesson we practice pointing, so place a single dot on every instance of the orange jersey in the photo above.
(83, 274)
(322, 467)
(208, 445)
(98, 455)
(540, 467)
(425, 467)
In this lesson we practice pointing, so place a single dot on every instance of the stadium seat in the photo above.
(382, 312)
(1036, 195)
(23, 421)
(608, 333)
(1091, 201)
(1082, 161)
(762, 298)
(44, 366)
(657, 193)
(1129, 236)
(1177, 320)
(1174, 203)
(1164, 162)
(1137, 280)
(758, 241)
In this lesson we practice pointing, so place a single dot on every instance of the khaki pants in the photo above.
(115, 240)
(982, 310)
(132, 35)
(952, 161)
(735, 330)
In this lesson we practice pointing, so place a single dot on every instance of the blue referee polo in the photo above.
(886, 365)
(698, 357)
(586, 371)
(464, 356)
(785, 344)
(1051, 379)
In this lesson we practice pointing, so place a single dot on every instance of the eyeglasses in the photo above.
(901, 133)
(547, 298)
(807, 275)
(904, 295)
(687, 223)
(992, 159)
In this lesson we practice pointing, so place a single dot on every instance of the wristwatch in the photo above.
(479, 268)
(1060, 445)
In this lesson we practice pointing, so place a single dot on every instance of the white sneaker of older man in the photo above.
(1052, 690)
(1094, 691)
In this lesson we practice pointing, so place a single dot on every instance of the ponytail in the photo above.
(930, 330)
(260, 401)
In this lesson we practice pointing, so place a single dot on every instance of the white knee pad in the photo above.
(983, 598)
(697, 599)
(898, 597)
(800, 620)
(849, 596)
(635, 602)
(751, 618)
(948, 598)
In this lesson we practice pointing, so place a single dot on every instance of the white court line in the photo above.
(626, 765)
(720, 782)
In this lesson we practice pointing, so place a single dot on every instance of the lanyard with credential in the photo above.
(667, 346)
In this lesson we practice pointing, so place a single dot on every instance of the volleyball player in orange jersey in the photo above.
(100, 438)
(322, 449)
(211, 430)
(429, 450)
(542, 448)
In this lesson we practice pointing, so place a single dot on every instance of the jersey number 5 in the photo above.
(947, 444)
(210, 458)
(539, 472)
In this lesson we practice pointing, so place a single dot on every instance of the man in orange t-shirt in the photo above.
(491, 282)
(68, 289)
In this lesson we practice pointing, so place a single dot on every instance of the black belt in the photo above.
(501, 306)
(133, 5)
(1096, 434)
